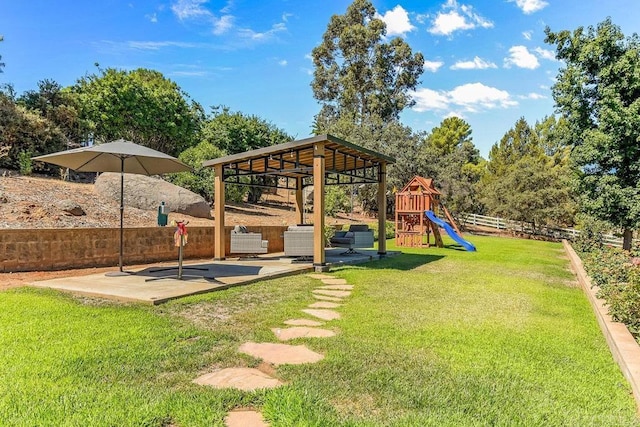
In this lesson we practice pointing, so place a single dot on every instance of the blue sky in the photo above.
(486, 61)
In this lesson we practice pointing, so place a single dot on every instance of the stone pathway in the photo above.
(302, 322)
(333, 281)
(280, 354)
(330, 293)
(326, 298)
(329, 297)
(244, 418)
(337, 287)
(247, 379)
(322, 313)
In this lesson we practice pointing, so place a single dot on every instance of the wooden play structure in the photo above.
(413, 228)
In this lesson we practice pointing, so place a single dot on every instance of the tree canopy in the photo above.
(140, 105)
(235, 132)
(60, 107)
(452, 160)
(24, 131)
(523, 183)
(452, 133)
(598, 92)
(357, 74)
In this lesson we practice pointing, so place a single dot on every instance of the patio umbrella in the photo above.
(117, 156)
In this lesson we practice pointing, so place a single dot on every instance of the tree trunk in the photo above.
(627, 239)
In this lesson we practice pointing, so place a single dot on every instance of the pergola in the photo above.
(319, 161)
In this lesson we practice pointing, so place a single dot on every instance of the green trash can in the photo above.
(163, 215)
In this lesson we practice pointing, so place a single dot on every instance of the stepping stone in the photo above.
(302, 322)
(324, 304)
(323, 314)
(334, 281)
(280, 354)
(301, 332)
(320, 276)
(327, 298)
(327, 292)
(244, 418)
(337, 287)
(247, 379)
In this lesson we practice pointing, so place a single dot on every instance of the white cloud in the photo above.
(188, 73)
(427, 99)
(149, 45)
(457, 114)
(527, 35)
(470, 97)
(533, 95)
(530, 6)
(545, 53)
(457, 18)
(222, 25)
(397, 21)
(195, 9)
(267, 35)
(189, 9)
(477, 64)
(283, 63)
(152, 17)
(432, 66)
(522, 58)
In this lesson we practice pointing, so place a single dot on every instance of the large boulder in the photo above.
(145, 192)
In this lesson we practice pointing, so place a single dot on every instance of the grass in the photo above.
(434, 337)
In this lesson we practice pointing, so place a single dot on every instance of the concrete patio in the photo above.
(151, 286)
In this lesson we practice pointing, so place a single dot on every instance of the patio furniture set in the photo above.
(298, 240)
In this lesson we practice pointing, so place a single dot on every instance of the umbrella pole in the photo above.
(121, 212)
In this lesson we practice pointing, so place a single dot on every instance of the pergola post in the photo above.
(382, 209)
(299, 202)
(219, 242)
(318, 205)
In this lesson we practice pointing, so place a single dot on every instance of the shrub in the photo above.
(25, 162)
(591, 234)
(619, 281)
(335, 200)
(389, 232)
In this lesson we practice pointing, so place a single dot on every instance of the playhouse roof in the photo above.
(425, 184)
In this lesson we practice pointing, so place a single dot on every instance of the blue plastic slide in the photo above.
(450, 231)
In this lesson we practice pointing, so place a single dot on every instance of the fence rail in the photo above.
(505, 224)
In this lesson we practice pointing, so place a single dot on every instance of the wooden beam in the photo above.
(218, 208)
(318, 205)
(382, 209)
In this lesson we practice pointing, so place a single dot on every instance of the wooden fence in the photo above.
(523, 227)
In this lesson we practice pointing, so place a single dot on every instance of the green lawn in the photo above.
(437, 337)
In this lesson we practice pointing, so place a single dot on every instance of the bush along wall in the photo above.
(617, 273)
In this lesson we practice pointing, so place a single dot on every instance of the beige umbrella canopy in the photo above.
(117, 156)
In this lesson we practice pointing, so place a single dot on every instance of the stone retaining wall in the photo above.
(61, 249)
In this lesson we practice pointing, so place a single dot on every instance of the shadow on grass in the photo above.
(404, 262)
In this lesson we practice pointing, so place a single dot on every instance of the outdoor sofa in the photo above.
(298, 241)
(243, 242)
(358, 236)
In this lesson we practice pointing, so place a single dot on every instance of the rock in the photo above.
(71, 207)
(145, 192)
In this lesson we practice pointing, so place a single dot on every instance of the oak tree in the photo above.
(598, 92)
